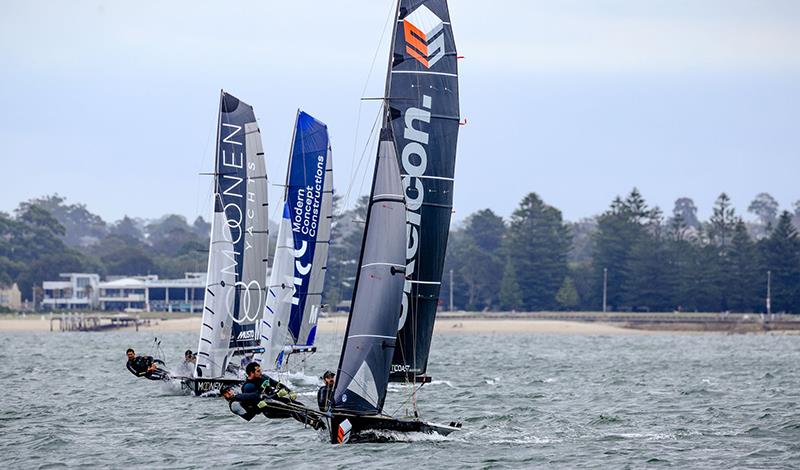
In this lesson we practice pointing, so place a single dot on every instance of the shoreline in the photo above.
(464, 323)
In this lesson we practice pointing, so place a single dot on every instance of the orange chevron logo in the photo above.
(422, 30)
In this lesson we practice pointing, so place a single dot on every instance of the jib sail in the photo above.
(294, 294)
(237, 259)
(422, 94)
(363, 372)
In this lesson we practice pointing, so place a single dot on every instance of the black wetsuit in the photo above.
(263, 384)
(139, 365)
(264, 388)
(245, 405)
(325, 397)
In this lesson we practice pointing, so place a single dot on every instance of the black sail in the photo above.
(422, 91)
(363, 372)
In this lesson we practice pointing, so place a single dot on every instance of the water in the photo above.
(701, 401)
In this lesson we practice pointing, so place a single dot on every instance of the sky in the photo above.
(113, 104)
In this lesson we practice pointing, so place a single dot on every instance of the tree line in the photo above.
(533, 261)
(648, 262)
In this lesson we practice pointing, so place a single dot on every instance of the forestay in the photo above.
(237, 259)
(422, 94)
(294, 295)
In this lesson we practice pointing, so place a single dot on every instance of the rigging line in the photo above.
(406, 401)
(367, 146)
(386, 23)
(199, 191)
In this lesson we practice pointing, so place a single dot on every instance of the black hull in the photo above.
(362, 428)
(199, 386)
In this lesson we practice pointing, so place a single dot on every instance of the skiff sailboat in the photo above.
(238, 252)
(400, 271)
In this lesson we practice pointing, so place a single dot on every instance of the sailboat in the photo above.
(400, 269)
(238, 251)
(294, 293)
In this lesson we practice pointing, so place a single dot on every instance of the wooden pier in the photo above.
(91, 322)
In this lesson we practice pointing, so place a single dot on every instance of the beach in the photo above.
(444, 325)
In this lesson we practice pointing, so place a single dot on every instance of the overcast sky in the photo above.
(113, 104)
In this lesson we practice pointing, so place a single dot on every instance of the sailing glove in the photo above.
(282, 393)
(262, 404)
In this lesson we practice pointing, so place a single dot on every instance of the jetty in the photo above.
(92, 322)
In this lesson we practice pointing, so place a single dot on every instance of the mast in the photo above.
(238, 246)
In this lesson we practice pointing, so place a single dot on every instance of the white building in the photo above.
(149, 293)
(79, 291)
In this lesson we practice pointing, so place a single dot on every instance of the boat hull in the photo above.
(351, 428)
(199, 386)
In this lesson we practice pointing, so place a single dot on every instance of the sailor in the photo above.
(248, 405)
(246, 360)
(258, 383)
(145, 366)
(243, 404)
(325, 393)
(188, 364)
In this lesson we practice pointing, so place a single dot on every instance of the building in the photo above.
(79, 291)
(11, 297)
(151, 294)
(145, 293)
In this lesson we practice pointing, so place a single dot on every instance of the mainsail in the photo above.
(422, 96)
(294, 294)
(237, 259)
(363, 372)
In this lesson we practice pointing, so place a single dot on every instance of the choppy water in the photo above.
(700, 401)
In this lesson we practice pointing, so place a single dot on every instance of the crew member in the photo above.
(325, 393)
(187, 366)
(145, 366)
(258, 383)
(262, 394)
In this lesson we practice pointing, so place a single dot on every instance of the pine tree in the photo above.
(510, 292)
(538, 241)
(781, 253)
(567, 296)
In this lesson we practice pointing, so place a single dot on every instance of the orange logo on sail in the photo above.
(423, 39)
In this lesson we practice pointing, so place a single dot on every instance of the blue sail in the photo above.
(309, 199)
(294, 295)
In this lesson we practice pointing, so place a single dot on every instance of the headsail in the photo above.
(294, 294)
(422, 92)
(363, 372)
(237, 259)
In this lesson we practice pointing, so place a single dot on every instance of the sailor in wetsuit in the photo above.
(325, 393)
(145, 366)
(266, 396)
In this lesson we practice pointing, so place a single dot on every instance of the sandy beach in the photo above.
(41, 323)
(466, 323)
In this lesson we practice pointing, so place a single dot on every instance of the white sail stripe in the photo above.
(371, 336)
(398, 196)
(426, 177)
(383, 264)
(424, 282)
(426, 72)
(443, 22)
